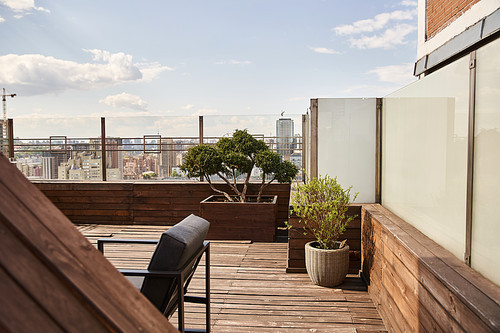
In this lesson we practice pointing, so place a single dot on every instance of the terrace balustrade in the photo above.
(113, 149)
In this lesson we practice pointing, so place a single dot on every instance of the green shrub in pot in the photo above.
(321, 206)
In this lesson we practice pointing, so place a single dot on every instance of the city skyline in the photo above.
(174, 58)
(149, 157)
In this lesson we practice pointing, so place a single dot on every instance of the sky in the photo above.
(131, 58)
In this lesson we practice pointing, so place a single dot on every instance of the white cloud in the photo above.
(377, 23)
(22, 7)
(324, 50)
(409, 3)
(400, 74)
(34, 74)
(2, 19)
(386, 30)
(125, 100)
(233, 62)
(150, 70)
(390, 38)
(187, 107)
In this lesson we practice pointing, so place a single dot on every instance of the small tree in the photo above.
(321, 206)
(236, 156)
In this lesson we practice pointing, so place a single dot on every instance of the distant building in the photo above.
(284, 136)
(51, 161)
(296, 159)
(5, 144)
(83, 166)
(167, 158)
(113, 174)
(49, 168)
(114, 153)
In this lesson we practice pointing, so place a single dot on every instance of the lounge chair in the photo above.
(172, 266)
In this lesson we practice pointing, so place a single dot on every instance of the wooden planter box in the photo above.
(254, 221)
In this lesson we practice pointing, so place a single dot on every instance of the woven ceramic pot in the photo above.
(327, 268)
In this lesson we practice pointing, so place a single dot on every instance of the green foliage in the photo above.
(235, 156)
(321, 206)
(149, 175)
(202, 161)
(175, 174)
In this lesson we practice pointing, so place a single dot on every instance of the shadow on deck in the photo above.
(251, 292)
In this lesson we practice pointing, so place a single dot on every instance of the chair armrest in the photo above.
(102, 241)
(145, 272)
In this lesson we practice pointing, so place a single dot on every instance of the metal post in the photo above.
(200, 133)
(10, 127)
(200, 128)
(470, 158)
(180, 306)
(103, 148)
(378, 152)
(305, 148)
(207, 288)
(314, 139)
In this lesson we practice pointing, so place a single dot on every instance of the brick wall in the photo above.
(440, 13)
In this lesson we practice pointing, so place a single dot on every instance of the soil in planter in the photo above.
(252, 198)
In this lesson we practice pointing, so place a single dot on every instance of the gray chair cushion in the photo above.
(176, 246)
(137, 281)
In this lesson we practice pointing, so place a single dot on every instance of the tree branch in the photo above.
(245, 187)
(234, 188)
(263, 185)
(228, 197)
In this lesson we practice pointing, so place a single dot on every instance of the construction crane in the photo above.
(4, 123)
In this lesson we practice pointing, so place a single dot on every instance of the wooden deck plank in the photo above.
(251, 291)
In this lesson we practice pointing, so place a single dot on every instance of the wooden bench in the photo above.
(419, 286)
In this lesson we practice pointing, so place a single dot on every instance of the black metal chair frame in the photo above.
(182, 278)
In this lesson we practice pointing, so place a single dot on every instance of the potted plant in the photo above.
(321, 206)
(234, 214)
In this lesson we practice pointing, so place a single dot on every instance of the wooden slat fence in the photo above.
(151, 203)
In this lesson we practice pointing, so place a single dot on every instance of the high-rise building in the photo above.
(284, 136)
(167, 161)
(114, 154)
(49, 168)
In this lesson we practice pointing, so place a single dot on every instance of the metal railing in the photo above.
(114, 158)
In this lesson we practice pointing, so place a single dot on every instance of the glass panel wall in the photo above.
(486, 203)
(283, 134)
(347, 143)
(424, 154)
(148, 148)
(137, 148)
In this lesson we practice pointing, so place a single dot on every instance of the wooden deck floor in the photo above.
(250, 290)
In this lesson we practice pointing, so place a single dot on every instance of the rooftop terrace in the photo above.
(250, 289)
